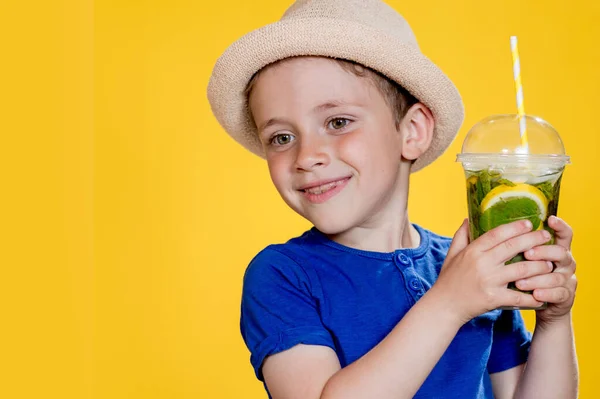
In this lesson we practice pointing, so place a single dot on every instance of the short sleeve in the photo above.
(510, 342)
(278, 309)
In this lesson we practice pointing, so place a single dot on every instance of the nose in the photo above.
(312, 153)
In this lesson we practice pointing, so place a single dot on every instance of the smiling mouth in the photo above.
(322, 188)
(323, 192)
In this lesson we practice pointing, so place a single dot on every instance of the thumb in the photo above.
(460, 240)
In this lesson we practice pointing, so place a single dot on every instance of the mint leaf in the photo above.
(547, 189)
(486, 185)
(474, 192)
(506, 182)
(518, 258)
(509, 211)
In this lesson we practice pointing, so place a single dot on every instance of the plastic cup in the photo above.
(505, 183)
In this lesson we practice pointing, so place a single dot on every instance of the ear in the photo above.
(417, 131)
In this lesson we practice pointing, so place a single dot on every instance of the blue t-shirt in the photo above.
(312, 290)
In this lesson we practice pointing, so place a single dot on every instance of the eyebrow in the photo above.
(330, 104)
(270, 122)
(319, 108)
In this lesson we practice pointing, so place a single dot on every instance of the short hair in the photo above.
(397, 97)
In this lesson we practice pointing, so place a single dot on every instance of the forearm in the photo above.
(400, 363)
(551, 370)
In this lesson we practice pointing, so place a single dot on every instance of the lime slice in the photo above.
(505, 204)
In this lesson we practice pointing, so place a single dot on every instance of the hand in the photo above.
(557, 288)
(474, 277)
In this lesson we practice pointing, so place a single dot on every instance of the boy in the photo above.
(339, 100)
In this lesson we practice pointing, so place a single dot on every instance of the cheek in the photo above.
(353, 148)
(278, 169)
(362, 149)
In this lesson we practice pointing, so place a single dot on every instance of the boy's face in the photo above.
(333, 149)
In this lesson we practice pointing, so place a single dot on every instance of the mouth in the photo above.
(322, 191)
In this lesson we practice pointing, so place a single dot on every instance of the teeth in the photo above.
(321, 189)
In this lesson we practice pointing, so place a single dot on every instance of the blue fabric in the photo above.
(312, 290)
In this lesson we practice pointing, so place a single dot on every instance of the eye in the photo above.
(338, 123)
(282, 139)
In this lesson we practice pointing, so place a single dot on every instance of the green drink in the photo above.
(505, 182)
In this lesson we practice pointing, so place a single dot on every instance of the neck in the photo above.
(384, 239)
(387, 231)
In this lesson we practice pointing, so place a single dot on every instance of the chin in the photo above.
(331, 225)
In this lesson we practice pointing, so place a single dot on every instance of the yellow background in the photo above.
(129, 216)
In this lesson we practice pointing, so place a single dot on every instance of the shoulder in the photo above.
(437, 239)
(277, 263)
(437, 244)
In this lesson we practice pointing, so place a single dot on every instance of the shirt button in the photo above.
(403, 259)
(414, 284)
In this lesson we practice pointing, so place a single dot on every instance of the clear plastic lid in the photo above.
(497, 139)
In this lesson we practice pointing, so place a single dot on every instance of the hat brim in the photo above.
(401, 62)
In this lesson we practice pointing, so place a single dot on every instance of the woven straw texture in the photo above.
(365, 31)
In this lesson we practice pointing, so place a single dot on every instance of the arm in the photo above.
(532, 379)
(473, 280)
(551, 370)
(505, 382)
(395, 368)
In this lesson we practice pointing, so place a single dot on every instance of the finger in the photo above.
(558, 254)
(563, 232)
(552, 295)
(513, 246)
(512, 298)
(523, 270)
(548, 280)
(459, 241)
(502, 233)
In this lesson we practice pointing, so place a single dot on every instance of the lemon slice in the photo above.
(503, 193)
(514, 203)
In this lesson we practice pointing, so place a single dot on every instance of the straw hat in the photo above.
(368, 32)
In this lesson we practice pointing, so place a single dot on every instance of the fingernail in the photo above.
(550, 265)
(528, 224)
(530, 252)
(522, 284)
(546, 234)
